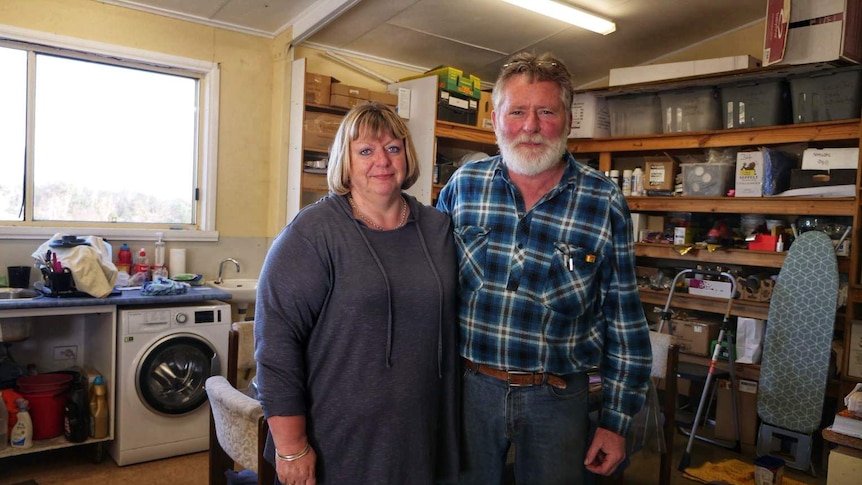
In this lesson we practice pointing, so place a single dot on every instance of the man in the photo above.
(547, 290)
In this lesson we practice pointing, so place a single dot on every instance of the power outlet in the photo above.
(66, 352)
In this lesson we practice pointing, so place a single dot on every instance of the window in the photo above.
(107, 142)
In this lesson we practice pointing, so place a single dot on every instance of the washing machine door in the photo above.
(171, 375)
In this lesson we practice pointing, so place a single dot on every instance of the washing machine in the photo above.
(164, 357)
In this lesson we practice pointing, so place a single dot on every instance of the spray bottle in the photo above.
(159, 262)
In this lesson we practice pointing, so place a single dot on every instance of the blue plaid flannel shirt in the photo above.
(552, 289)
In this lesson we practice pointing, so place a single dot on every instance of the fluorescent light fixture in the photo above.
(567, 13)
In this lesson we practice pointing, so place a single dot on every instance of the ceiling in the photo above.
(475, 35)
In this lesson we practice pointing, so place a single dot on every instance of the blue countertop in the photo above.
(125, 298)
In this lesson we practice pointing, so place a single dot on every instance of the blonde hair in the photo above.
(374, 120)
(545, 67)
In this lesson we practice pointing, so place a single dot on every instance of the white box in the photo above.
(854, 358)
(672, 70)
(715, 289)
(639, 223)
(590, 117)
(830, 158)
(749, 174)
(814, 31)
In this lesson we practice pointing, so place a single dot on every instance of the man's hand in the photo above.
(606, 452)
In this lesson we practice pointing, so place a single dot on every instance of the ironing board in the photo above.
(795, 362)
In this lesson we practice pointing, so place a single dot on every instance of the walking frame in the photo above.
(695, 372)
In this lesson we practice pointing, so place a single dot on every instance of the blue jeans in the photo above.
(549, 428)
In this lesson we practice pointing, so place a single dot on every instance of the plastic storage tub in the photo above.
(635, 114)
(693, 109)
(707, 179)
(826, 95)
(756, 103)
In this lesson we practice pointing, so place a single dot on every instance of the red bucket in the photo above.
(46, 412)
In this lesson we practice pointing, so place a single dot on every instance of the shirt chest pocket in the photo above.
(472, 243)
(573, 279)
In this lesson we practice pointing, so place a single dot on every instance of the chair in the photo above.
(665, 365)
(238, 428)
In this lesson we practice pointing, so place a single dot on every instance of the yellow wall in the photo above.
(246, 99)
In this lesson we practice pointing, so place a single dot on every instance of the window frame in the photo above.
(207, 171)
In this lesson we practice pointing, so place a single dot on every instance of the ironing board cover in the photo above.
(798, 337)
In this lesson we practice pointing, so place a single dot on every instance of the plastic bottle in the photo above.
(22, 433)
(142, 265)
(124, 259)
(615, 176)
(76, 415)
(627, 182)
(98, 409)
(4, 421)
(159, 261)
(638, 182)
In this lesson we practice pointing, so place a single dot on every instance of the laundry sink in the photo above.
(242, 290)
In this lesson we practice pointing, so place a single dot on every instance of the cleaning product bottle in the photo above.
(99, 409)
(159, 262)
(4, 420)
(76, 415)
(124, 259)
(638, 182)
(627, 182)
(142, 265)
(22, 433)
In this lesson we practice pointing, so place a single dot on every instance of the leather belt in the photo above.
(517, 378)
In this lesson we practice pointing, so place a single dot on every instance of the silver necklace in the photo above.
(401, 220)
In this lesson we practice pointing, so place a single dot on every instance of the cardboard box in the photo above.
(318, 88)
(483, 116)
(319, 130)
(845, 466)
(815, 31)
(761, 173)
(345, 101)
(830, 158)
(751, 291)
(746, 407)
(660, 173)
(590, 117)
(349, 91)
(673, 70)
(854, 357)
(714, 289)
(381, 97)
(695, 336)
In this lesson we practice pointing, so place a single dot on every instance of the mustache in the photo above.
(534, 138)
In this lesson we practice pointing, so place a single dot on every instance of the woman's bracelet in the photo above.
(294, 456)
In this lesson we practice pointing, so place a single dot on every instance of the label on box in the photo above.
(715, 289)
(830, 158)
(749, 174)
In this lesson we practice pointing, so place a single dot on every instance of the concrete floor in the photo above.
(75, 466)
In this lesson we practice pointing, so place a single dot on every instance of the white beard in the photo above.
(531, 163)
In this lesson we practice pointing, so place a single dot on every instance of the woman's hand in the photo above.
(299, 471)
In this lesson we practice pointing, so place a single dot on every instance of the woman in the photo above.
(355, 322)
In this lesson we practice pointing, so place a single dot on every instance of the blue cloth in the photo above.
(547, 426)
(245, 477)
(553, 288)
(164, 286)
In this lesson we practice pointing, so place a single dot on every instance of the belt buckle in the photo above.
(518, 373)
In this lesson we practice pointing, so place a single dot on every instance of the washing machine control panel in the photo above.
(150, 320)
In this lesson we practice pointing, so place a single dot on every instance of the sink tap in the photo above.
(218, 280)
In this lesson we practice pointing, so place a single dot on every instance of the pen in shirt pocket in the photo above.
(567, 257)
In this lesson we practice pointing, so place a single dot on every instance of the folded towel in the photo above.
(164, 286)
(92, 269)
